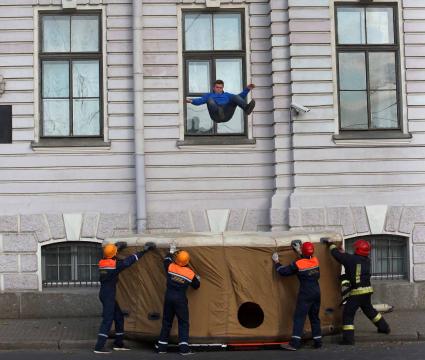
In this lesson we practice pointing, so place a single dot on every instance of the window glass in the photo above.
(55, 117)
(198, 120)
(353, 107)
(380, 27)
(199, 76)
(352, 71)
(227, 32)
(198, 31)
(351, 25)
(85, 78)
(382, 74)
(56, 34)
(383, 109)
(86, 117)
(85, 34)
(55, 79)
(230, 71)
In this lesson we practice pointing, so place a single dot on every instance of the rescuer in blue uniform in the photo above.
(109, 269)
(179, 278)
(308, 302)
(222, 105)
(358, 271)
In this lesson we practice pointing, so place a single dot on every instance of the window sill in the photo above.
(232, 141)
(371, 137)
(71, 143)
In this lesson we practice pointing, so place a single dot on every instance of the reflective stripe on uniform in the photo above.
(163, 342)
(348, 327)
(345, 282)
(377, 318)
(333, 246)
(358, 272)
(180, 276)
(307, 264)
(362, 290)
(119, 334)
(104, 335)
(137, 258)
(317, 337)
(279, 267)
(183, 343)
(296, 337)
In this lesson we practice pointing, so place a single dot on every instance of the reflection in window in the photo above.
(71, 61)
(70, 264)
(213, 49)
(367, 68)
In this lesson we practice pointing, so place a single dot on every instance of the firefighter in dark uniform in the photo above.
(308, 301)
(357, 270)
(109, 268)
(179, 278)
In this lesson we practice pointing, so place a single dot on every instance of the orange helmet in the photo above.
(362, 247)
(307, 249)
(109, 251)
(182, 258)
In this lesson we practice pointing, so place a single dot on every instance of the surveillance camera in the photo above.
(299, 108)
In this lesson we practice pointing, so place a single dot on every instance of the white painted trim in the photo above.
(180, 64)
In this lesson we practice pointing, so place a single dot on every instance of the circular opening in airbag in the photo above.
(250, 315)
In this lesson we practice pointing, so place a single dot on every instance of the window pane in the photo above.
(51, 273)
(380, 26)
(199, 77)
(55, 79)
(383, 107)
(351, 25)
(85, 78)
(65, 273)
(353, 106)
(230, 71)
(86, 117)
(84, 273)
(55, 117)
(382, 72)
(198, 32)
(227, 32)
(198, 120)
(85, 33)
(234, 126)
(352, 71)
(56, 34)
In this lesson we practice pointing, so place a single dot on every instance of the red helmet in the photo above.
(307, 249)
(362, 247)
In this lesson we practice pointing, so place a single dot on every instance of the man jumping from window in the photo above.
(222, 105)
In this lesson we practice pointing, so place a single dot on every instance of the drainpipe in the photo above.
(139, 137)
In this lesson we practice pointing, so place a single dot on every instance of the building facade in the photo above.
(97, 139)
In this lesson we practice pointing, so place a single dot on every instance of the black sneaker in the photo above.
(102, 351)
(250, 107)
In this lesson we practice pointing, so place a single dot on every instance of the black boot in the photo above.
(347, 337)
(383, 326)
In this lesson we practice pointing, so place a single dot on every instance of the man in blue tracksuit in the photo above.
(222, 105)
(179, 278)
(308, 301)
(109, 269)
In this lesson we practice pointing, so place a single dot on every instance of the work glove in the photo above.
(326, 241)
(149, 246)
(275, 257)
(121, 245)
(173, 248)
(296, 246)
(198, 277)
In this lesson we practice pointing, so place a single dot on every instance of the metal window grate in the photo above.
(71, 264)
(388, 256)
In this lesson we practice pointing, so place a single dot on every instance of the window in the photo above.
(71, 264)
(213, 48)
(388, 256)
(368, 63)
(71, 73)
